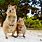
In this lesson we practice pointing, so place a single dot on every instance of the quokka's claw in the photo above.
(14, 36)
(6, 37)
(23, 36)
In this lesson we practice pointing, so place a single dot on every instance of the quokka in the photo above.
(10, 24)
(21, 27)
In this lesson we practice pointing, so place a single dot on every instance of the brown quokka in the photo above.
(9, 25)
(21, 27)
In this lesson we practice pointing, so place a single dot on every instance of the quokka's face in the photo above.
(11, 9)
(20, 27)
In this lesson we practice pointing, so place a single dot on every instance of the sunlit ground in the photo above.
(31, 36)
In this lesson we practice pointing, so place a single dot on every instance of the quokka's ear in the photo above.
(15, 6)
(23, 18)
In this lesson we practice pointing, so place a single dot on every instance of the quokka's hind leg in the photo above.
(6, 36)
(24, 34)
(17, 33)
(13, 34)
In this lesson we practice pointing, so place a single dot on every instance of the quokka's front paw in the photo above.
(6, 37)
(23, 36)
(14, 36)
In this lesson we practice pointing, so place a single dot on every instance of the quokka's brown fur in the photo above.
(21, 27)
(10, 24)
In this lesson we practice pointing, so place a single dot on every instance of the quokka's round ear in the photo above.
(23, 18)
(15, 6)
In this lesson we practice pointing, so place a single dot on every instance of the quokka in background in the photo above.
(21, 27)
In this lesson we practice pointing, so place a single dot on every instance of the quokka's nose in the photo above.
(10, 11)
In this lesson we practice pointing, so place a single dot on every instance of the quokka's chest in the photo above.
(10, 28)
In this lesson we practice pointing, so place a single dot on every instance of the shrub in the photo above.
(30, 23)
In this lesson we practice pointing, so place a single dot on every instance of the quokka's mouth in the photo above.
(11, 25)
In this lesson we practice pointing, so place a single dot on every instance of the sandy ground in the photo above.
(31, 36)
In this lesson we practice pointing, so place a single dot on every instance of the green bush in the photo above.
(30, 23)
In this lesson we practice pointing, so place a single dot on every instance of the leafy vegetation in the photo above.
(2, 1)
(36, 24)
